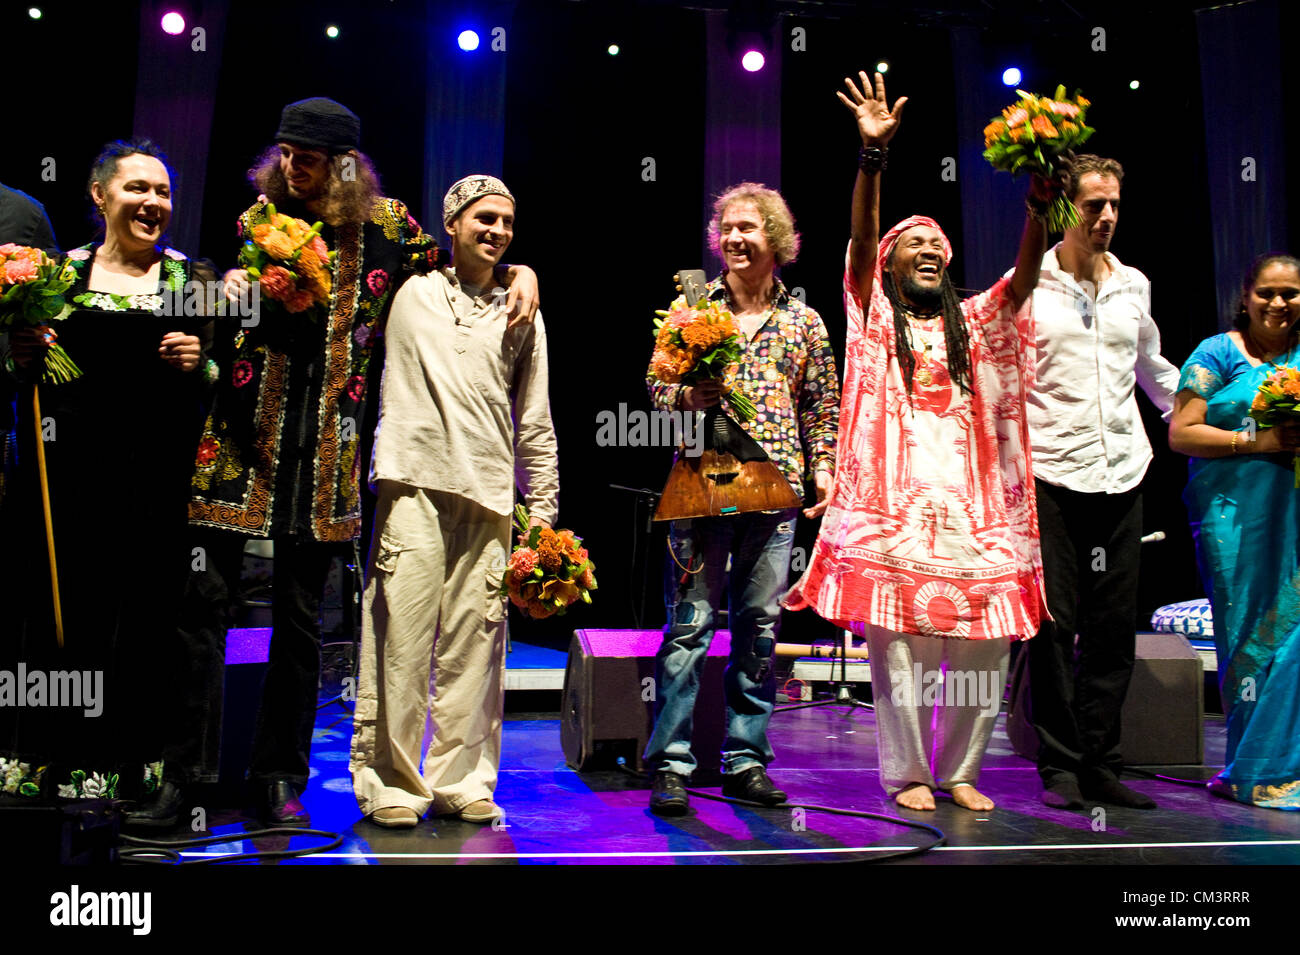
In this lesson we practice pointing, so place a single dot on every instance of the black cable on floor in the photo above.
(939, 837)
(158, 852)
(856, 704)
(1147, 774)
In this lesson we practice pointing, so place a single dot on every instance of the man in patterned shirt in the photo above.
(788, 369)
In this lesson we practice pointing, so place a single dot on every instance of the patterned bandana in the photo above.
(893, 235)
(466, 190)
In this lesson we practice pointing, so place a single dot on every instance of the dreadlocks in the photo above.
(955, 336)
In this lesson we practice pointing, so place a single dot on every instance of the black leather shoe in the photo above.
(1111, 791)
(668, 795)
(283, 808)
(1063, 793)
(161, 812)
(754, 786)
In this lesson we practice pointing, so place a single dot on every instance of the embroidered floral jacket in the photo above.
(279, 452)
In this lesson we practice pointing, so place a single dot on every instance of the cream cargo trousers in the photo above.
(430, 604)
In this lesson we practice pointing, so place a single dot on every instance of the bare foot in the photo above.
(968, 797)
(915, 796)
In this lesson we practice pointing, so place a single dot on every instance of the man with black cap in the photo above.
(280, 453)
(464, 416)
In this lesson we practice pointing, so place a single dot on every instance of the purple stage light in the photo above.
(467, 41)
(173, 22)
(752, 61)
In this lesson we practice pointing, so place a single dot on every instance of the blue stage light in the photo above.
(1011, 76)
(467, 41)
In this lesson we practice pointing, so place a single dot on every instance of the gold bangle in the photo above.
(1235, 436)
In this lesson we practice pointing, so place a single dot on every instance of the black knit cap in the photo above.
(319, 123)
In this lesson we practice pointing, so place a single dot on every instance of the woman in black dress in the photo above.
(119, 446)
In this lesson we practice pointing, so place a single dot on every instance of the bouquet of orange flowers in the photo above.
(31, 293)
(1278, 400)
(548, 571)
(697, 344)
(289, 260)
(1032, 135)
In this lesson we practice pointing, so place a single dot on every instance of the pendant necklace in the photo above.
(922, 323)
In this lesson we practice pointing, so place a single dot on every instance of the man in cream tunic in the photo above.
(464, 416)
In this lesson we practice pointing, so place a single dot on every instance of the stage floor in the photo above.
(825, 756)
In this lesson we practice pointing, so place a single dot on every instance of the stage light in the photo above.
(613, 49)
(882, 66)
(752, 61)
(173, 23)
(467, 41)
(1011, 76)
(1133, 84)
(332, 32)
(34, 12)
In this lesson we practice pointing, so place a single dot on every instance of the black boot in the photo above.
(161, 812)
(753, 785)
(668, 795)
(283, 808)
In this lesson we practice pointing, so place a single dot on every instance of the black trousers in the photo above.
(282, 739)
(1091, 546)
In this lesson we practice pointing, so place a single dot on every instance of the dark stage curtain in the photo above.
(742, 117)
(175, 99)
(1244, 139)
(465, 118)
(992, 215)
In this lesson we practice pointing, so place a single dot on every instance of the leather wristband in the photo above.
(873, 158)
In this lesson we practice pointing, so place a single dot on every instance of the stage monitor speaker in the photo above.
(609, 700)
(1163, 715)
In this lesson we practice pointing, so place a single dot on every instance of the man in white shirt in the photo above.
(1096, 340)
(463, 416)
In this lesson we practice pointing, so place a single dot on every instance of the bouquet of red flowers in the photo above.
(1033, 135)
(290, 261)
(31, 293)
(700, 343)
(548, 571)
(1278, 400)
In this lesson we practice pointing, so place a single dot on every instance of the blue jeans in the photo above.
(759, 545)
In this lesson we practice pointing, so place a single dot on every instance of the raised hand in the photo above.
(877, 123)
(1043, 190)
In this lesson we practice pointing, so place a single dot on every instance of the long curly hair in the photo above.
(350, 189)
(778, 223)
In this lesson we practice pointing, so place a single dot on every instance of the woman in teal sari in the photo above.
(1244, 510)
